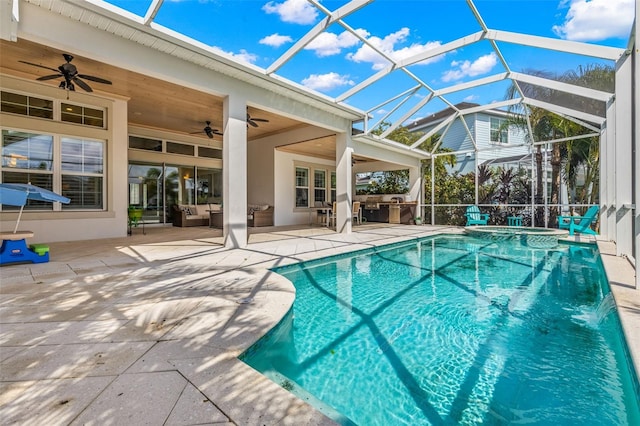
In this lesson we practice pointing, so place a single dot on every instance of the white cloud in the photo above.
(327, 44)
(471, 98)
(593, 20)
(293, 11)
(387, 46)
(327, 82)
(243, 55)
(462, 69)
(275, 40)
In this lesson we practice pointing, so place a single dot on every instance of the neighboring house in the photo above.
(485, 133)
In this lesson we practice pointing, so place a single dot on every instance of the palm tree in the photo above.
(548, 126)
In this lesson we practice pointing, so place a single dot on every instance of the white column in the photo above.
(234, 172)
(344, 196)
(609, 215)
(635, 125)
(636, 144)
(604, 182)
(624, 154)
(415, 187)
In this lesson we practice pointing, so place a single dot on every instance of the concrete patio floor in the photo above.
(146, 329)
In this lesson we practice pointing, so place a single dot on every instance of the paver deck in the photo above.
(146, 329)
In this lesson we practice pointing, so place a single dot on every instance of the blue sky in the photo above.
(259, 32)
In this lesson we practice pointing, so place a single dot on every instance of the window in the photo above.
(209, 152)
(499, 130)
(78, 174)
(26, 105)
(320, 185)
(28, 151)
(82, 169)
(302, 187)
(180, 148)
(145, 143)
(82, 115)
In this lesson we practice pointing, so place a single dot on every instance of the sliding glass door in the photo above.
(155, 188)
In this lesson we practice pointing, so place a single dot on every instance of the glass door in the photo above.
(146, 191)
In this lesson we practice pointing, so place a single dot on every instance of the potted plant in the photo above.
(418, 220)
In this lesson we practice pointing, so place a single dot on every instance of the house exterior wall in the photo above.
(285, 212)
(457, 138)
(51, 226)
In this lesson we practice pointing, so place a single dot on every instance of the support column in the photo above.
(344, 194)
(234, 172)
(608, 153)
(415, 187)
(624, 154)
(635, 126)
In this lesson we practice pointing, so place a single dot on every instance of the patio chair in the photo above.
(565, 220)
(580, 224)
(474, 217)
(355, 212)
(332, 215)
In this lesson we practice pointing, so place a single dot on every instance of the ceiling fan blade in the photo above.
(196, 133)
(262, 120)
(82, 84)
(40, 66)
(218, 132)
(96, 79)
(49, 77)
(253, 123)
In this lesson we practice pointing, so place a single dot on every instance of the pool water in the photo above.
(454, 330)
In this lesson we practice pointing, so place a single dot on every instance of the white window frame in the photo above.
(296, 186)
(499, 131)
(56, 168)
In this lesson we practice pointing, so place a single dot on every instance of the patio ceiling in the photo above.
(153, 103)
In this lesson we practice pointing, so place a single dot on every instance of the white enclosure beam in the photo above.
(339, 13)
(634, 44)
(153, 10)
(567, 111)
(563, 87)
(10, 16)
(456, 44)
(585, 49)
(608, 176)
(624, 154)
(470, 84)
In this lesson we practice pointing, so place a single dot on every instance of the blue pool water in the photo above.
(454, 330)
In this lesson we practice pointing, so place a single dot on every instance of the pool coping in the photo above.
(621, 276)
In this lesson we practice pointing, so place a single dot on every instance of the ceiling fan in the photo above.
(208, 131)
(70, 74)
(254, 121)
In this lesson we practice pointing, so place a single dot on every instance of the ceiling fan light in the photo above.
(71, 87)
(62, 85)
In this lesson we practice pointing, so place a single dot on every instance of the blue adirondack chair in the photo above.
(580, 224)
(474, 217)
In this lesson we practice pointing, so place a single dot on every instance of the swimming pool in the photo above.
(454, 330)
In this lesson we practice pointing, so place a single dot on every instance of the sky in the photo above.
(259, 32)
